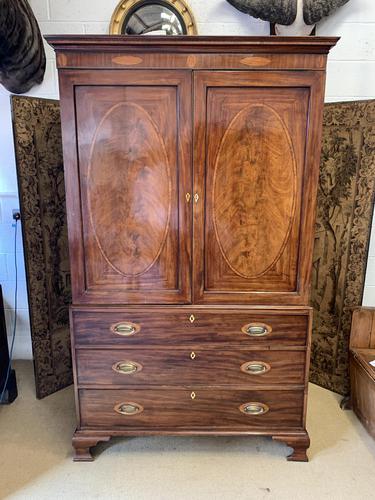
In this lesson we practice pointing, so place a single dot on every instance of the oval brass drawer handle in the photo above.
(125, 328)
(256, 329)
(255, 367)
(127, 367)
(254, 408)
(128, 408)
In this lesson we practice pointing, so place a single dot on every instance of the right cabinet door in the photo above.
(256, 164)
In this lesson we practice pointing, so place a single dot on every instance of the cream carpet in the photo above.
(35, 458)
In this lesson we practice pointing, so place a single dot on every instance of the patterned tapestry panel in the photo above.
(37, 137)
(345, 206)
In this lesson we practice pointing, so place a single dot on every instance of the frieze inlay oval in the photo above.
(129, 189)
(254, 194)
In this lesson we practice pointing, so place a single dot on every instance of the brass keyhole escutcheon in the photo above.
(193, 395)
(196, 197)
(191, 318)
(188, 197)
(192, 355)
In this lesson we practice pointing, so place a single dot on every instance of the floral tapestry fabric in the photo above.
(37, 137)
(345, 207)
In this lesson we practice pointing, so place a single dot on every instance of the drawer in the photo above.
(189, 326)
(185, 367)
(190, 408)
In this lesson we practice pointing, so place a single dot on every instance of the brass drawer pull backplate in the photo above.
(256, 329)
(125, 328)
(127, 367)
(128, 408)
(254, 408)
(255, 367)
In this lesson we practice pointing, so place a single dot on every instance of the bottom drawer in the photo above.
(192, 408)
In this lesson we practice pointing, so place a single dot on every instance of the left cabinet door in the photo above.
(127, 154)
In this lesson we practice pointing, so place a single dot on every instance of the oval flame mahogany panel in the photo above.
(129, 189)
(254, 191)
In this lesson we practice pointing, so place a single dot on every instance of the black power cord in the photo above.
(16, 217)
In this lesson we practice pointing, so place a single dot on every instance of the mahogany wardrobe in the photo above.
(191, 170)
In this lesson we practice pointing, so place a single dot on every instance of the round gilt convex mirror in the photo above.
(152, 17)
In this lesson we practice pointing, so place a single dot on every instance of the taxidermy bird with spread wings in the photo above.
(291, 17)
(22, 57)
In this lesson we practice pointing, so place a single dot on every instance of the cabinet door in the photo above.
(257, 145)
(129, 221)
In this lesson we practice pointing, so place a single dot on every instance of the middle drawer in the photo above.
(187, 367)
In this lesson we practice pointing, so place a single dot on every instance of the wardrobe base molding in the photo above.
(85, 439)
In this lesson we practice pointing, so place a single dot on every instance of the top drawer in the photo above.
(189, 326)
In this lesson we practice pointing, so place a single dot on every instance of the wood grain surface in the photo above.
(173, 327)
(362, 334)
(198, 366)
(129, 223)
(130, 185)
(362, 374)
(176, 408)
(254, 189)
(86, 44)
(362, 386)
(253, 223)
(162, 60)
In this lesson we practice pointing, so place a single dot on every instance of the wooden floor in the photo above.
(35, 458)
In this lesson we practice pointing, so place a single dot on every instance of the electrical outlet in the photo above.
(16, 214)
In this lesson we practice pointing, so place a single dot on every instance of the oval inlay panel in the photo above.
(127, 60)
(254, 190)
(129, 189)
(255, 61)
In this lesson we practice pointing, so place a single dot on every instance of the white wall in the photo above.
(351, 75)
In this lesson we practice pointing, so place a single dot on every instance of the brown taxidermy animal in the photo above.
(22, 56)
(291, 17)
